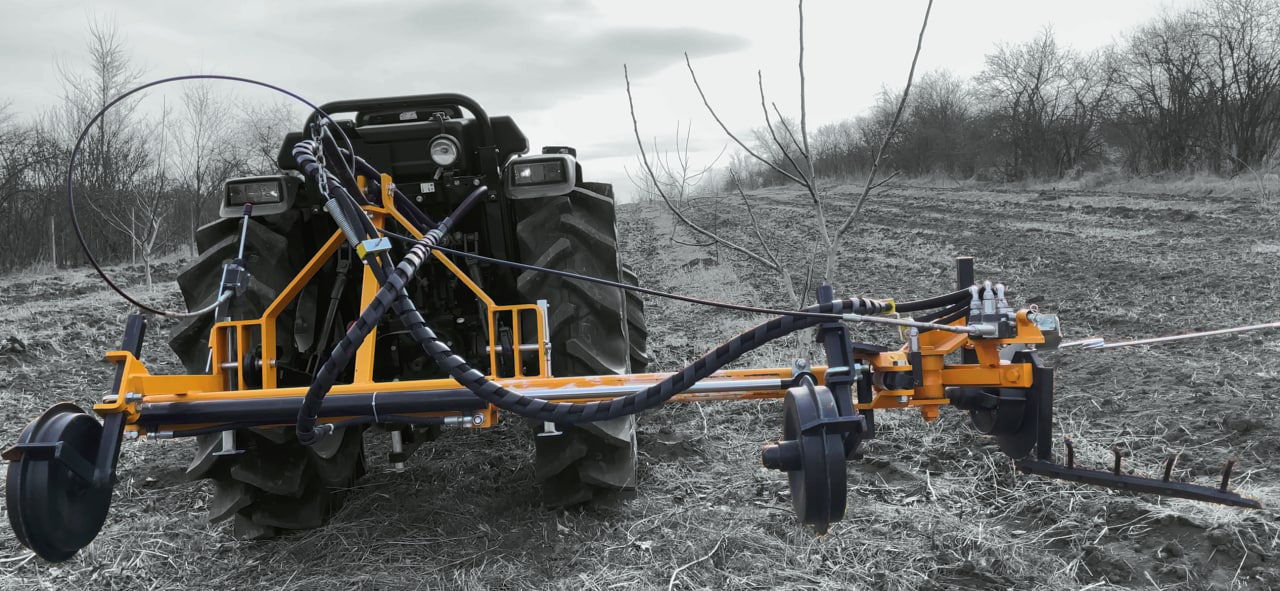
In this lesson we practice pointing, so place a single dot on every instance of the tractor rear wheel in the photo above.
(274, 482)
(592, 333)
(637, 330)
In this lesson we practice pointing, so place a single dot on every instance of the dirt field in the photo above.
(932, 506)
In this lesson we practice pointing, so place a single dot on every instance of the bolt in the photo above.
(418, 198)
(902, 400)
(131, 435)
(478, 419)
(132, 397)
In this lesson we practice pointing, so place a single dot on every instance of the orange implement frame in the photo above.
(229, 340)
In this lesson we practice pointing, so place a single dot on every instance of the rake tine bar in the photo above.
(1128, 482)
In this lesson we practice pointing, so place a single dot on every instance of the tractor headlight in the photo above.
(545, 175)
(267, 194)
(444, 150)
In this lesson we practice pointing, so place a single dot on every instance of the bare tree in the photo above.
(1046, 103)
(260, 132)
(21, 151)
(787, 154)
(676, 173)
(1244, 64)
(149, 200)
(115, 154)
(202, 138)
(24, 153)
(935, 134)
(1163, 84)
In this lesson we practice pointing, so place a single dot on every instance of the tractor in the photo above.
(413, 268)
(434, 154)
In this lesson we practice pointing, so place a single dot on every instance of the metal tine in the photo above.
(1116, 468)
(1226, 474)
(1071, 451)
(1168, 466)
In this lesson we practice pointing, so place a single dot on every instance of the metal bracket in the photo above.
(549, 430)
(228, 444)
(373, 246)
(56, 451)
(838, 347)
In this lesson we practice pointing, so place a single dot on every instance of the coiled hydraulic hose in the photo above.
(650, 397)
(393, 293)
(536, 408)
(392, 287)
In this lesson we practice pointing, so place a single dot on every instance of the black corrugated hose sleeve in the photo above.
(392, 285)
(655, 395)
(344, 174)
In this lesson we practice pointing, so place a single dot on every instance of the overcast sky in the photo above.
(555, 65)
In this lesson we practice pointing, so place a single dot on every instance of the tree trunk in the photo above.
(133, 233)
(53, 243)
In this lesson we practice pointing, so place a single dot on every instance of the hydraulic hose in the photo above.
(954, 297)
(392, 294)
(403, 204)
(650, 397)
(393, 284)
(935, 315)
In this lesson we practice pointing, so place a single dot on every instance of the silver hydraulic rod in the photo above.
(1100, 343)
(708, 386)
(972, 330)
(703, 387)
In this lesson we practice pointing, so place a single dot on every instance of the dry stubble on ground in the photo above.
(932, 506)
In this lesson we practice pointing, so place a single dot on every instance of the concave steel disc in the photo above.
(53, 511)
(1011, 422)
(818, 488)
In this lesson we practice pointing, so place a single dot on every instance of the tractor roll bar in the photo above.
(440, 99)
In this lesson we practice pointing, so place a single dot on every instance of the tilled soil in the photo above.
(932, 506)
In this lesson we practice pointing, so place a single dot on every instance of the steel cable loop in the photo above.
(84, 133)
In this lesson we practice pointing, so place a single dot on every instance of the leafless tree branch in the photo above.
(804, 109)
(792, 134)
(724, 127)
(888, 137)
(805, 180)
(644, 158)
